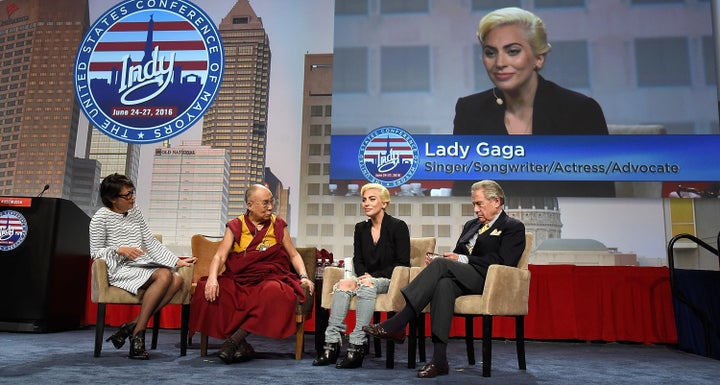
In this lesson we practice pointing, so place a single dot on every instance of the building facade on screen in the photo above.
(237, 120)
(38, 111)
(189, 191)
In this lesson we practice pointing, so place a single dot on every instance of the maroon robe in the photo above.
(258, 290)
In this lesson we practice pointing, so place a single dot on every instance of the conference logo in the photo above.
(13, 229)
(389, 156)
(148, 70)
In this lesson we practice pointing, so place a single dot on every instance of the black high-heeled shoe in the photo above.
(328, 356)
(354, 357)
(123, 332)
(137, 347)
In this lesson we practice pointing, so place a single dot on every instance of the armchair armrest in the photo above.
(507, 290)
(331, 276)
(306, 307)
(99, 278)
(309, 257)
(186, 272)
(399, 279)
(394, 299)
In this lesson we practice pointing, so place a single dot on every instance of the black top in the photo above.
(556, 111)
(392, 248)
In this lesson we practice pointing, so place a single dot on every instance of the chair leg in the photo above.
(421, 337)
(469, 337)
(377, 342)
(412, 344)
(487, 345)
(203, 344)
(184, 326)
(390, 358)
(156, 329)
(390, 347)
(299, 336)
(520, 340)
(99, 328)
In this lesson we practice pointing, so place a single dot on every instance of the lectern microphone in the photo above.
(47, 187)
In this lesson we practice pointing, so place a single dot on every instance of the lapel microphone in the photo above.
(497, 98)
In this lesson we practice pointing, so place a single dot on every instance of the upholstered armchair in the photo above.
(389, 302)
(506, 293)
(102, 294)
(204, 249)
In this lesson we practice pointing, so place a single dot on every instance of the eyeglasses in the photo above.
(266, 203)
(128, 196)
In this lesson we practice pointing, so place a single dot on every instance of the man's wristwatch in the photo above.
(303, 275)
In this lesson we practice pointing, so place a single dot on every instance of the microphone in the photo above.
(497, 98)
(47, 187)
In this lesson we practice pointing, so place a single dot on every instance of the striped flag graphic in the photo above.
(11, 8)
(130, 38)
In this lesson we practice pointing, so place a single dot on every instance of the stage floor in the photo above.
(67, 357)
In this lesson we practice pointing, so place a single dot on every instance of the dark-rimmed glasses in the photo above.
(130, 194)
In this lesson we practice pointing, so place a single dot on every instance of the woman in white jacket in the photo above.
(135, 259)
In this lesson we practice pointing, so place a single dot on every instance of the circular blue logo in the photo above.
(148, 70)
(388, 156)
(13, 229)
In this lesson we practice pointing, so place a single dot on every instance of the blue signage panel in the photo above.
(640, 158)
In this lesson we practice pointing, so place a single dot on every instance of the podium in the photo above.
(44, 249)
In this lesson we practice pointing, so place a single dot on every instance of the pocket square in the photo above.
(496, 233)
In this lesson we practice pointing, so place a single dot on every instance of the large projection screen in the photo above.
(649, 64)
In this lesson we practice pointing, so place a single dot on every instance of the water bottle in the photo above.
(348, 268)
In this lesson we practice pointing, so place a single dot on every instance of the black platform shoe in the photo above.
(354, 357)
(137, 347)
(123, 332)
(329, 356)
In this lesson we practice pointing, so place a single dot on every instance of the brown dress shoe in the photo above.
(376, 330)
(227, 351)
(432, 370)
(425, 367)
(244, 352)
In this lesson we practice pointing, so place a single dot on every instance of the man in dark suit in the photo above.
(491, 238)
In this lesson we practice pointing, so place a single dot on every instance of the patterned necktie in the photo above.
(472, 241)
(484, 228)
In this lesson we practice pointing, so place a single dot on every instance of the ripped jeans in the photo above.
(365, 308)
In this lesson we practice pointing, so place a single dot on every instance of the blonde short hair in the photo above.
(382, 191)
(535, 29)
